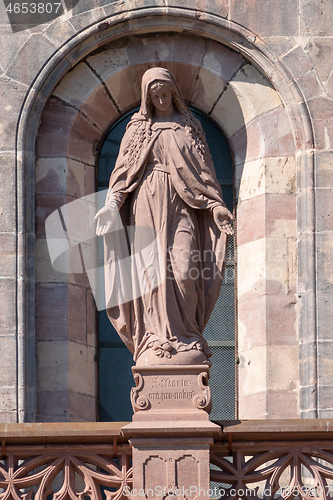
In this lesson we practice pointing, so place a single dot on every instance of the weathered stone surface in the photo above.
(52, 366)
(8, 375)
(281, 317)
(253, 406)
(82, 369)
(325, 396)
(51, 312)
(82, 408)
(59, 31)
(53, 406)
(8, 306)
(99, 108)
(282, 404)
(83, 140)
(325, 313)
(278, 137)
(77, 314)
(252, 371)
(7, 193)
(325, 367)
(51, 176)
(236, 107)
(9, 45)
(315, 18)
(310, 85)
(45, 205)
(75, 178)
(267, 175)
(208, 89)
(253, 210)
(11, 98)
(324, 263)
(44, 270)
(298, 62)
(282, 367)
(252, 267)
(34, 53)
(7, 255)
(319, 50)
(251, 311)
(120, 85)
(266, 18)
(324, 209)
(219, 7)
(8, 417)
(77, 85)
(280, 215)
(248, 143)
(81, 21)
(56, 122)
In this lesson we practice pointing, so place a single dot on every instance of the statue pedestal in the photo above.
(170, 432)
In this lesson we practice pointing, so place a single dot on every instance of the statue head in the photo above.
(153, 77)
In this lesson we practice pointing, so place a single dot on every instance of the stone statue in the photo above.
(164, 179)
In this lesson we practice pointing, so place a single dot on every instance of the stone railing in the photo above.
(252, 459)
(73, 461)
(284, 459)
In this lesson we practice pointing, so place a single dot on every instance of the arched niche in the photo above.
(78, 99)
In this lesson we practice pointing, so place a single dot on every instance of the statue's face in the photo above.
(161, 96)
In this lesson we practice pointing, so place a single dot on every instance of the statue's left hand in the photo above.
(223, 218)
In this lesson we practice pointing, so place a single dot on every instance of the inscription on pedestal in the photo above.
(171, 390)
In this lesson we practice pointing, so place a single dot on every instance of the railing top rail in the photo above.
(62, 432)
(277, 430)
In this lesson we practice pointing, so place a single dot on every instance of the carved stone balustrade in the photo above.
(255, 459)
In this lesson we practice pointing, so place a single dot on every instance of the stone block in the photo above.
(51, 176)
(7, 255)
(248, 143)
(236, 107)
(75, 178)
(323, 132)
(276, 129)
(249, 82)
(8, 306)
(324, 209)
(319, 50)
(282, 367)
(298, 62)
(45, 205)
(253, 406)
(325, 401)
(310, 85)
(82, 408)
(325, 313)
(280, 215)
(83, 140)
(77, 314)
(51, 312)
(269, 175)
(252, 371)
(12, 94)
(89, 179)
(9, 44)
(219, 7)
(208, 89)
(77, 85)
(252, 267)
(59, 31)
(282, 404)
(55, 125)
(325, 366)
(52, 366)
(266, 18)
(53, 406)
(7, 193)
(35, 52)
(251, 311)
(82, 369)
(281, 319)
(251, 215)
(45, 273)
(124, 92)
(222, 61)
(99, 108)
(8, 376)
(81, 21)
(8, 417)
(315, 18)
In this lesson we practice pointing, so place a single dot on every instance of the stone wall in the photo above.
(262, 70)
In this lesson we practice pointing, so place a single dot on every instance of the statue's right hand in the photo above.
(105, 218)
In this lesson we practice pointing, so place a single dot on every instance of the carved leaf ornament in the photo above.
(288, 473)
(34, 477)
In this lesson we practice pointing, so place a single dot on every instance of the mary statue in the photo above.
(164, 178)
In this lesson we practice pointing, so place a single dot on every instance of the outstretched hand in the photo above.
(223, 218)
(105, 218)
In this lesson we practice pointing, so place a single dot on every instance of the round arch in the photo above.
(81, 91)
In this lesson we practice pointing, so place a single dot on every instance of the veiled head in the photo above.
(154, 75)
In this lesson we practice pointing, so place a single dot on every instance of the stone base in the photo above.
(170, 433)
(171, 392)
